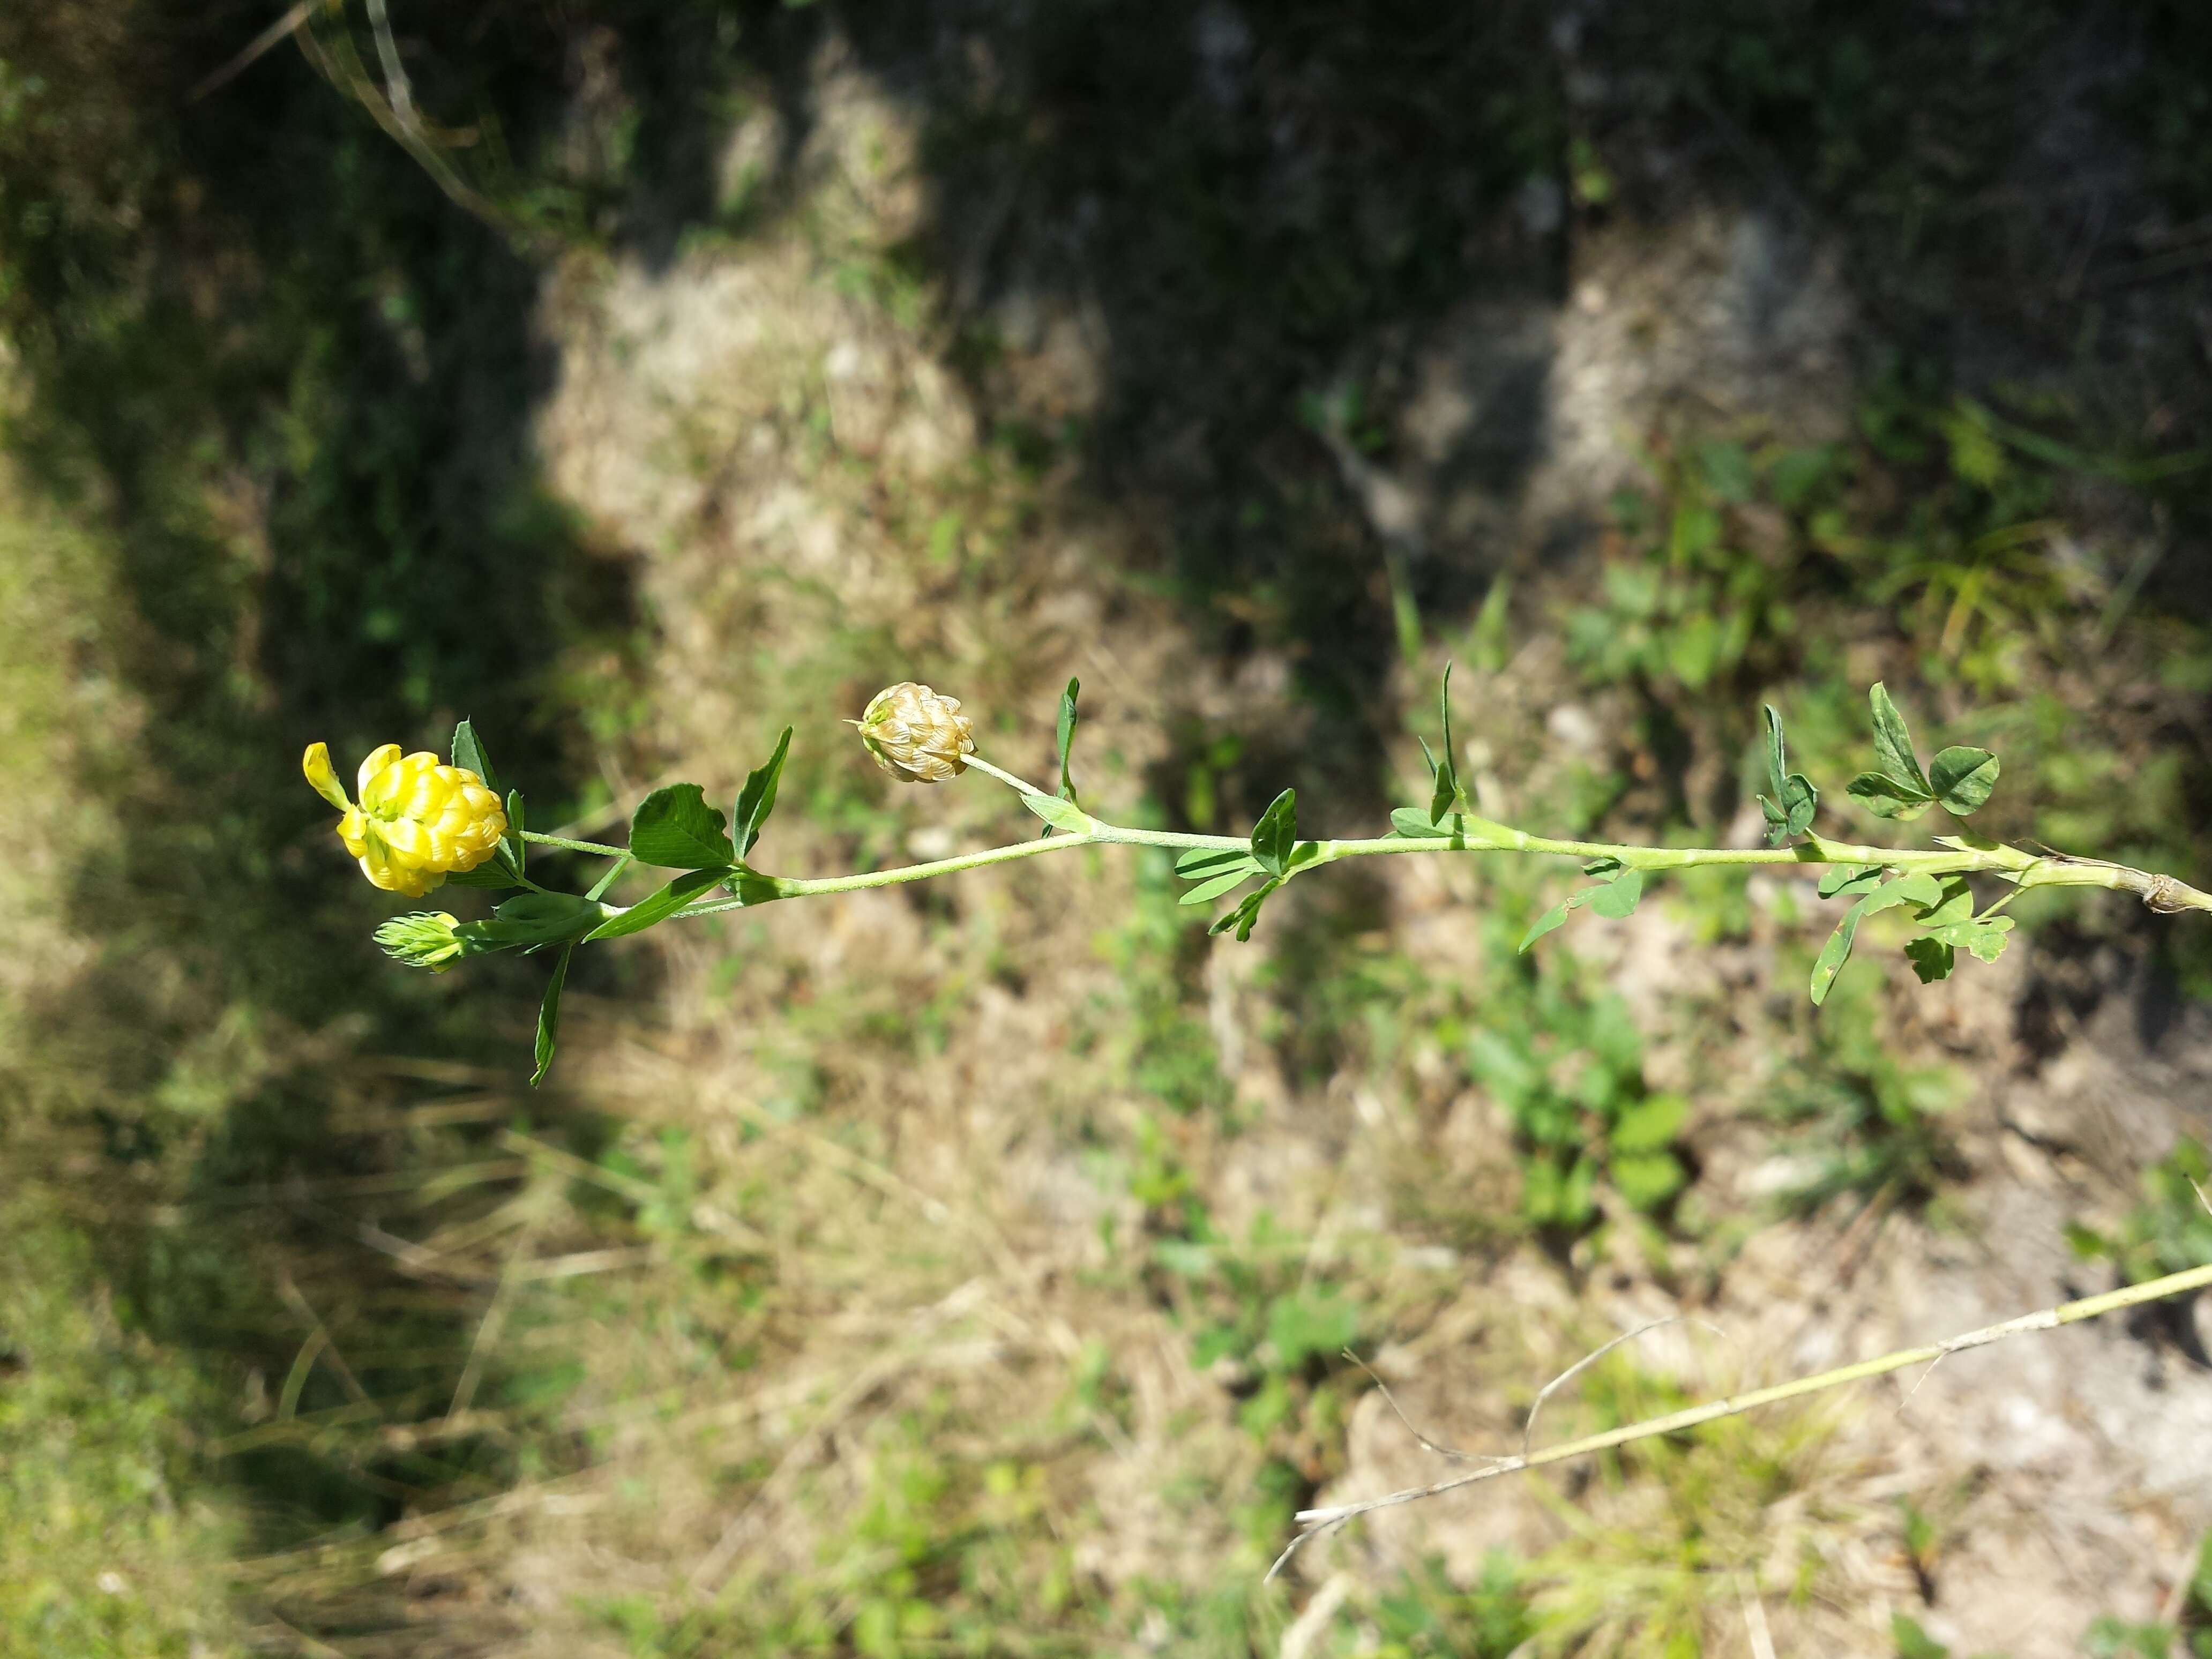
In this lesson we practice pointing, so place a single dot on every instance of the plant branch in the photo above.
(1320, 1521)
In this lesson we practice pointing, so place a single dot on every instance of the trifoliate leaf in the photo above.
(1918, 889)
(1215, 886)
(1277, 833)
(1985, 937)
(1931, 958)
(758, 798)
(676, 828)
(1962, 778)
(660, 906)
(1790, 810)
(1060, 814)
(1246, 913)
(1893, 745)
(1954, 902)
(548, 1016)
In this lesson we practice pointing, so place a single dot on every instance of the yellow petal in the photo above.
(379, 759)
(316, 764)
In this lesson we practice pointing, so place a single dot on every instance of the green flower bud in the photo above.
(422, 938)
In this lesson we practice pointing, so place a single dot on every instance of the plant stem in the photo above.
(602, 850)
(1319, 1520)
(1481, 836)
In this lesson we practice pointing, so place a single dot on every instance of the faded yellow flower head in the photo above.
(417, 821)
(915, 735)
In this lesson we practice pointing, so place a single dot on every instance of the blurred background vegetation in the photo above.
(973, 1271)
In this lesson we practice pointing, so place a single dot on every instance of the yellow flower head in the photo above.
(417, 822)
(915, 735)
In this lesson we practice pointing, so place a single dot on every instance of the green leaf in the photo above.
(1912, 1642)
(548, 1016)
(531, 920)
(660, 906)
(1203, 861)
(1850, 878)
(1416, 824)
(1444, 793)
(1835, 953)
(513, 849)
(676, 828)
(1919, 889)
(494, 874)
(1931, 958)
(1954, 902)
(1962, 778)
(1985, 939)
(1646, 1179)
(598, 888)
(1892, 744)
(1246, 913)
(1067, 736)
(469, 755)
(1650, 1125)
(1617, 899)
(1554, 917)
(1215, 886)
(1277, 833)
(1790, 810)
(1060, 814)
(758, 798)
(1886, 797)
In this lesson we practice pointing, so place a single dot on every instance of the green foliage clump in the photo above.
(2170, 1232)
(1568, 1066)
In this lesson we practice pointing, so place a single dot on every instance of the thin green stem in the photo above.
(1026, 787)
(599, 847)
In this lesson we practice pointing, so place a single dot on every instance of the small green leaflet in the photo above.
(1202, 861)
(1790, 810)
(1923, 891)
(1930, 957)
(469, 755)
(1444, 793)
(1247, 912)
(1215, 885)
(511, 845)
(676, 828)
(1066, 735)
(1962, 778)
(1275, 835)
(494, 874)
(1060, 814)
(1985, 938)
(1615, 898)
(548, 1016)
(1892, 744)
(531, 920)
(1850, 878)
(758, 798)
(660, 906)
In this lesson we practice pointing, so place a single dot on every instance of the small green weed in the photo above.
(1568, 1068)
(2170, 1232)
